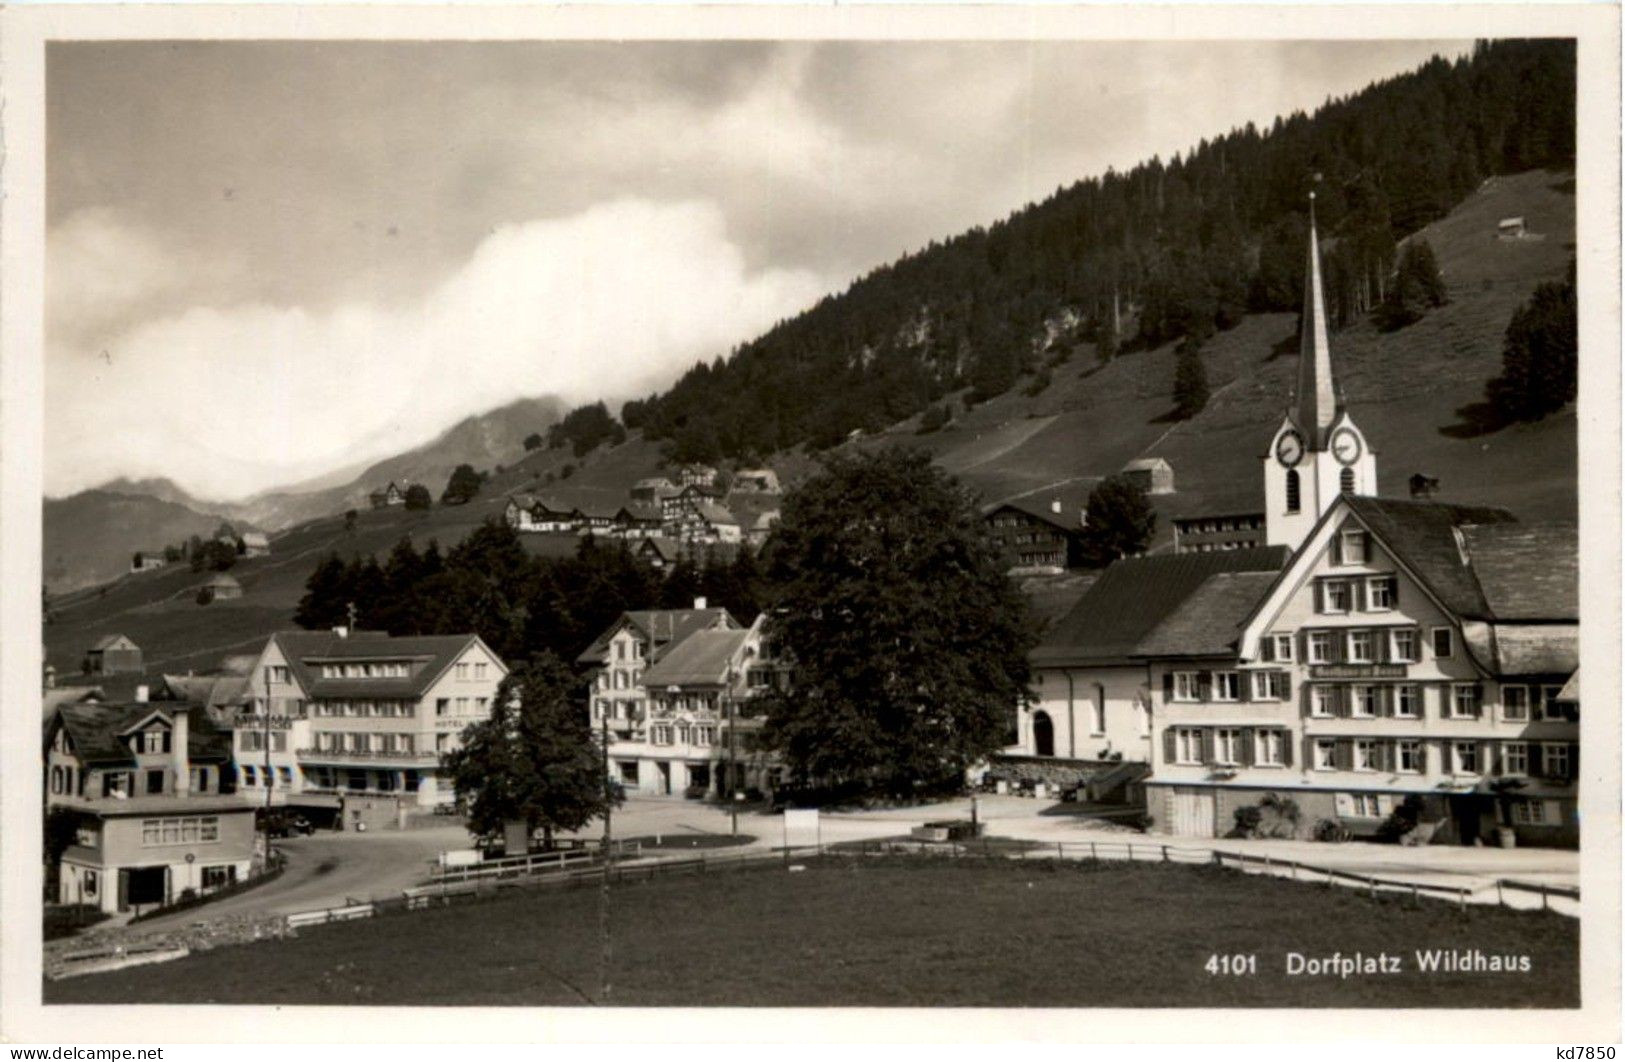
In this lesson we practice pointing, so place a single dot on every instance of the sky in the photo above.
(269, 260)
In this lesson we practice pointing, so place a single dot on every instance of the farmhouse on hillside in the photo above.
(1040, 532)
(113, 654)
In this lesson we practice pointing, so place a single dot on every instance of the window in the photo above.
(1325, 754)
(1334, 595)
(1275, 648)
(90, 882)
(190, 830)
(1227, 745)
(1364, 805)
(1226, 686)
(1549, 708)
(1269, 685)
(1294, 495)
(1530, 812)
(1362, 647)
(1402, 645)
(1097, 712)
(1345, 481)
(1366, 755)
(155, 739)
(462, 672)
(285, 774)
(705, 735)
(1443, 642)
(251, 740)
(219, 877)
(1466, 756)
(249, 777)
(629, 772)
(1323, 702)
(1464, 700)
(1515, 757)
(277, 672)
(442, 705)
(1363, 701)
(1408, 758)
(1185, 686)
(1269, 748)
(1515, 703)
(1353, 546)
(1320, 647)
(279, 741)
(660, 734)
(1187, 745)
(1380, 592)
(482, 706)
(1554, 760)
(1406, 703)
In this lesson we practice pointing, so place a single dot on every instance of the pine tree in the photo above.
(1540, 359)
(1190, 381)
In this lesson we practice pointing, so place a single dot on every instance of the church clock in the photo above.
(1346, 446)
(1289, 448)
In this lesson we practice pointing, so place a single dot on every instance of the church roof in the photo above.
(1122, 615)
(1317, 402)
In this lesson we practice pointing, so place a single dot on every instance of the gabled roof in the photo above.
(1039, 504)
(112, 641)
(211, 691)
(1208, 622)
(667, 548)
(1147, 464)
(255, 538)
(648, 512)
(221, 579)
(1134, 597)
(1570, 693)
(1527, 571)
(428, 655)
(94, 730)
(701, 659)
(665, 628)
(714, 513)
(1422, 534)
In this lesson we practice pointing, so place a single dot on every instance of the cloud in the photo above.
(231, 400)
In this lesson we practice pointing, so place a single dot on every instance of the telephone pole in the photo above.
(603, 854)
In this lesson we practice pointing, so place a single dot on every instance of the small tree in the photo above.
(462, 486)
(533, 441)
(1190, 380)
(534, 761)
(1417, 287)
(350, 517)
(1120, 521)
(417, 497)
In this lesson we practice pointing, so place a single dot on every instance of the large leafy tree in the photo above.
(462, 486)
(908, 643)
(1540, 361)
(1119, 523)
(535, 759)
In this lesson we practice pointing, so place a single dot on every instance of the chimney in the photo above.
(342, 631)
(180, 759)
(1055, 506)
(699, 604)
(142, 693)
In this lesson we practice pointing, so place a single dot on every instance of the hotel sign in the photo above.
(247, 720)
(1356, 671)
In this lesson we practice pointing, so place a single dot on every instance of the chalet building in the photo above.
(520, 512)
(622, 656)
(637, 519)
(761, 527)
(149, 784)
(114, 654)
(220, 587)
(255, 544)
(658, 551)
(148, 561)
(703, 476)
(389, 495)
(1370, 651)
(1039, 533)
(361, 718)
(692, 515)
(756, 481)
(1153, 475)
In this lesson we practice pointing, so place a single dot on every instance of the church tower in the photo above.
(1317, 452)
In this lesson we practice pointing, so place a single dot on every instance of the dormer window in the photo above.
(1353, 546)
(152, 740)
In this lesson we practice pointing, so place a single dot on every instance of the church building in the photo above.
(1372, 651)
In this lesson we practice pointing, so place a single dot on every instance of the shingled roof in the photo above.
(94, 730)
(1527, 571)
(1120, 614)
(701, 659)
(1208, 622)
(665, 628)
(1424, 536)
(428, 655)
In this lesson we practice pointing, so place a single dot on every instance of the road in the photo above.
(332, 869)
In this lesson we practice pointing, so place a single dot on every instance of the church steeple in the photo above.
(1317, 406)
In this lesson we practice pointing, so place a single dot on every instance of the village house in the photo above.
(658, 551)
(389, 495)
(652, 489)
(1371, 651)
(756, 481)
(696, 476)
(361, 718)
(1040, 532)
(255, 544)
(148, 561)
(761, 527)
(637, 520)
(114, 654)
(148, 782)
(1152, 475)
(620, 695)
(219, 587)
(1208, 523)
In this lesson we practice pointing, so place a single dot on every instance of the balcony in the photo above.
(370, 757)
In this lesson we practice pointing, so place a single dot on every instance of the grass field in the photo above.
(886, 932)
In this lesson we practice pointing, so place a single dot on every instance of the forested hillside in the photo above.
(1168, 250)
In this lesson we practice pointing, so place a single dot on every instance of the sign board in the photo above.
(1357, 671)
(460, 857)
(800, 827)
(249, 721)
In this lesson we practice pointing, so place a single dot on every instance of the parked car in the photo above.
(283, 824)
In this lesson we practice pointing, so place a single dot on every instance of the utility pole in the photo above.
(268, 776)
(733, 781)
(603, 889)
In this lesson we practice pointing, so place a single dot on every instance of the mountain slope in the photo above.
(90, 536)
